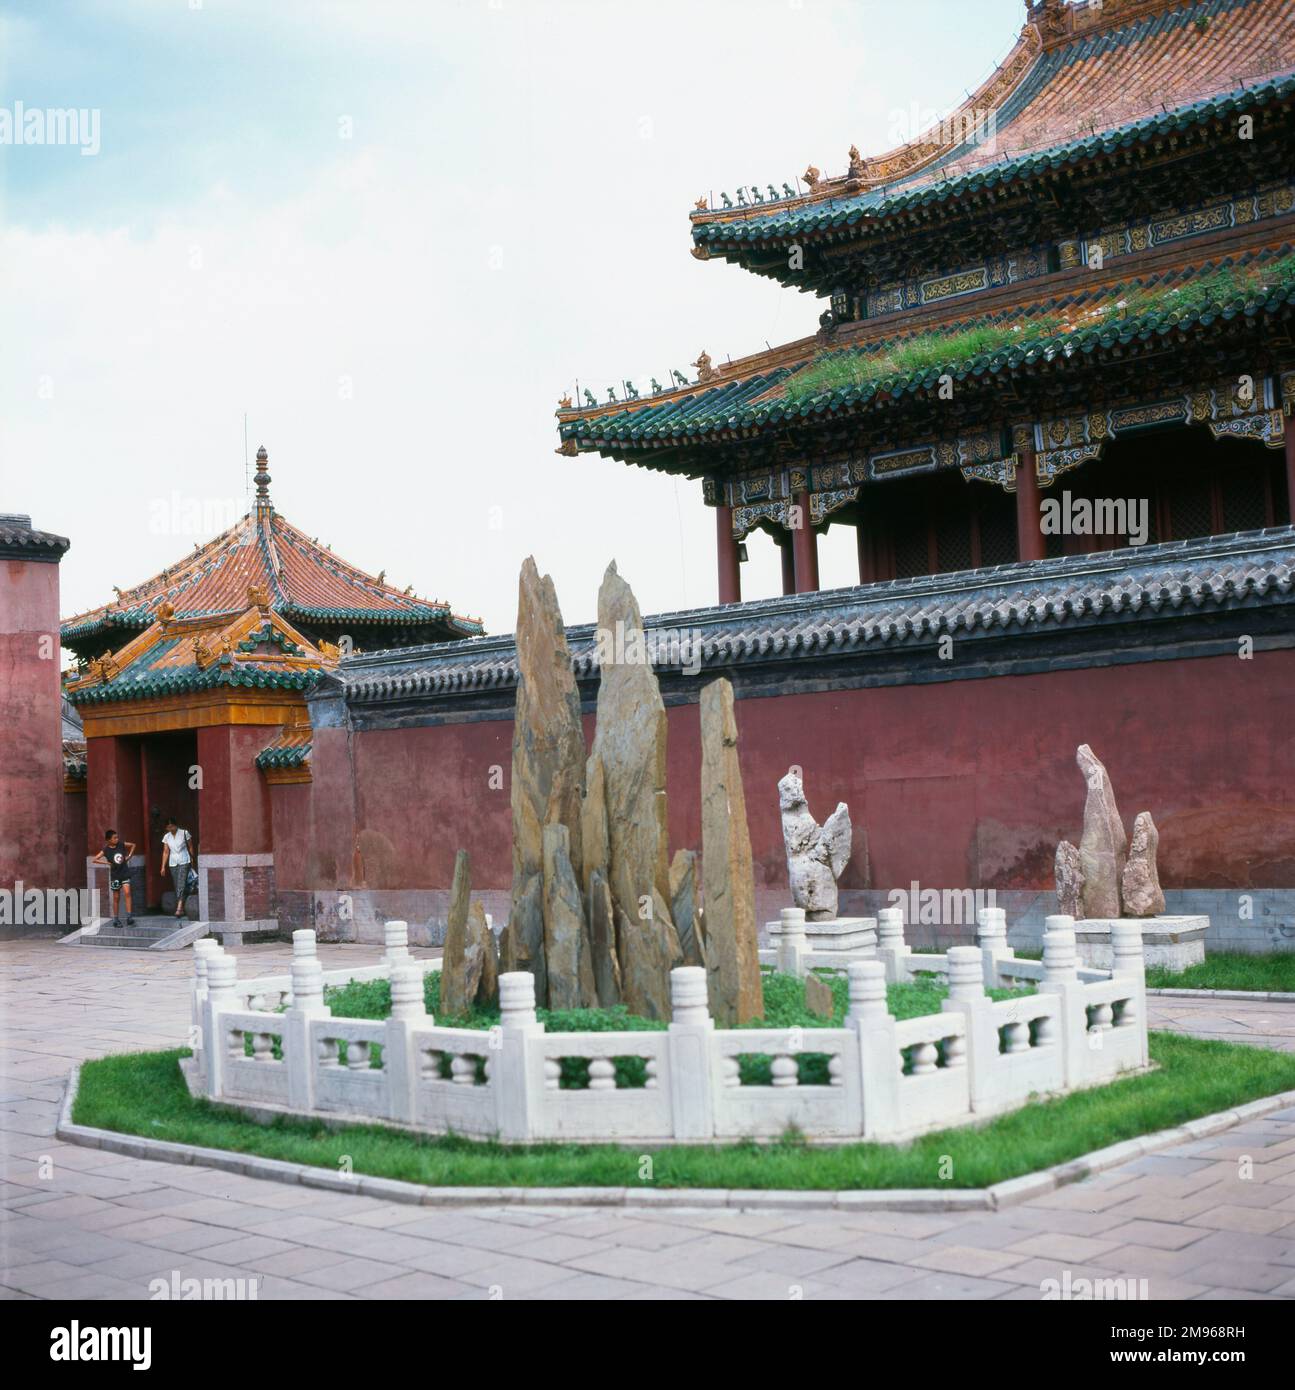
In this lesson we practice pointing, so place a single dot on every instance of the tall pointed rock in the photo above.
(1103, 846)
(732, 947)
(456, 996)
(630, 746)
(548, 759)
(1140, 886)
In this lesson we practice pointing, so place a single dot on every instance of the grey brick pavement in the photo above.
(82, 1223)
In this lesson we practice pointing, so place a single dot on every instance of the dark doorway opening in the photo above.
(168, 768)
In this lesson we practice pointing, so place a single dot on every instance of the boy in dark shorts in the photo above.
(117, 857)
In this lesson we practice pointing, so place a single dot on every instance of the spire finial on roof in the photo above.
(262, 478)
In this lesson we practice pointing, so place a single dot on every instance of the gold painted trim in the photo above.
(286, 776)
(223, 705)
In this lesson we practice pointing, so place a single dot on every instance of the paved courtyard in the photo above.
(88, 1224)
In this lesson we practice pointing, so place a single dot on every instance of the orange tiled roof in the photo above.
(302, 579)
(1076, 71)
(257, 648)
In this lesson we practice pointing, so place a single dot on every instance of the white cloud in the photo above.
(373, 263)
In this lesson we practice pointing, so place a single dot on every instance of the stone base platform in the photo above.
(1173, 942)
(834, 934)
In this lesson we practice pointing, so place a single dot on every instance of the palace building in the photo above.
(1079, 287)
(191, 693)
(1079, 281)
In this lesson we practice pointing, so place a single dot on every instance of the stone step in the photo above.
(139, 929)
(120, 939)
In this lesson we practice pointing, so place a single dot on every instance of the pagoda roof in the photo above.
(1082, 80)
(302, 580)
(258, 649)
(1123, 314)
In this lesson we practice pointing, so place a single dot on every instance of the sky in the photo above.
(393, 235)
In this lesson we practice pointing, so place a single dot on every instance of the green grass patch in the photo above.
(145, 1094)
(784, 1007)
(1273, 973)
(1227, 288)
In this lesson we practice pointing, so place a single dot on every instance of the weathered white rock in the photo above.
(1141, 883)
(1069, 880)
(732, 945)
(1103, 845)
(816, 855)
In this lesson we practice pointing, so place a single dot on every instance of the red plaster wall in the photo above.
(75, 838)
(958, 784)
(115, 792)
(233, 805)
(31, 735)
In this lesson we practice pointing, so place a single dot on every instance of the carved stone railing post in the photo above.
(222, 978)
(991, 937)
(869, 1018)
(689, 1043)
(400, 1051)
(1061, 977)
(516, 1067)
(791, 942)
(396, 936)
(202, 952)
(307, 1003)
(891, 950)
(967, 997)
(1128, 964)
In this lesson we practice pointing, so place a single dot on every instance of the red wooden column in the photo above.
(867, 551)
(804, 545)
(1290, 467)
(1029, 536)
(788, 563)
(730, 575)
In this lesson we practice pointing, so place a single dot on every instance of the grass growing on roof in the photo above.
(1128, 309)
(144, 1094)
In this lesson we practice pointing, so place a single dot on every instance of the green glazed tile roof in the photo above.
(828, 215)
(140, 682)
(291, 748)
(1092, 323)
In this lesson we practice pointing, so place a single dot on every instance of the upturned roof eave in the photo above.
(855, 212)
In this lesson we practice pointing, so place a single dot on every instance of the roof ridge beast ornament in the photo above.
(816, 855)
